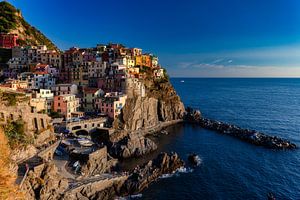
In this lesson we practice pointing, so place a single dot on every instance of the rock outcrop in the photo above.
(93, 161)
(106, 189)
(133, 145)
(247, 135)
(140, 112)
(142, 176)
(160, 104)
(44, 182)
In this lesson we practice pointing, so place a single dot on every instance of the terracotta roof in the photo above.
(5, 85)
(41, 65)
(90, 90)
(40, 72)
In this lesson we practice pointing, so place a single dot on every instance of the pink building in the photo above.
(111, 104)
(8, 40)
(66, 105)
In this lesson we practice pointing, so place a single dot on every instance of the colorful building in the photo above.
(143, 60)
(111, 104)
(8, 40)
(128, 61)
(44, 94)
(43, 80)
(136, 51)
(66, 105)
(38, 104)
(89, 98)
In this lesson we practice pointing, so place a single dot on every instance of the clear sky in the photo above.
(198, 38)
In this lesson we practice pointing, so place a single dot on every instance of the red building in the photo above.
(8, 40)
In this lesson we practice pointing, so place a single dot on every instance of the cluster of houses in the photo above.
(78, 81)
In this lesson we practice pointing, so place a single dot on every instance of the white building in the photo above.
(61, 89)
(43, 80)
(44, 94)
(127, 61)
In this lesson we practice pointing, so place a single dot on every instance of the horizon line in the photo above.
(286, 77)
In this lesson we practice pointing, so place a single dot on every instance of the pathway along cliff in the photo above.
(250, 136)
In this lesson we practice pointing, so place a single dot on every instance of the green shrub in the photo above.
(15, 132)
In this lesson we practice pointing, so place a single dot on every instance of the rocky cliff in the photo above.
(144, 175)
(132, 146)
(12, 21)
(160, 104)
(44, 182)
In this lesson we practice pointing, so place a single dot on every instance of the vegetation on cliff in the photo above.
(12, 98)
(11, 21)
(16, 135)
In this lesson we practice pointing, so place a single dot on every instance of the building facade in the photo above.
(66, 105)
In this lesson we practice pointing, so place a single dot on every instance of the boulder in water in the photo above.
(194, 159)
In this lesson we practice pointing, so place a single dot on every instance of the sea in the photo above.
(230, 168)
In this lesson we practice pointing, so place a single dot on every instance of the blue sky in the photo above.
(197, 38)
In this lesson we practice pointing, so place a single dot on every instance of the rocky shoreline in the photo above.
(247, 135)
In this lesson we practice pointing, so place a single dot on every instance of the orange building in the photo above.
(143, 60)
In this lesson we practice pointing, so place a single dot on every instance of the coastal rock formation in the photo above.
(132, 145)
(159, 104)
(106, 189)
(140, 112)
(92, 162)
(44, 182)
(142, 176)
(251, 136)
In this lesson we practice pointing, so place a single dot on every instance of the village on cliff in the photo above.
(77, 82)
(62, 110)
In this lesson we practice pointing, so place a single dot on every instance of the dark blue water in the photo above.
(232, 169)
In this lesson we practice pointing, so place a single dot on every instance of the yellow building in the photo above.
(38, 104)
(134, 70)
(138, 60)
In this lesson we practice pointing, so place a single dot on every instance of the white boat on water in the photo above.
(182, 81)
(85, 142)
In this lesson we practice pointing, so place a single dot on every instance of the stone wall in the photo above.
(134, 87)
(87, 125)
(34, 122)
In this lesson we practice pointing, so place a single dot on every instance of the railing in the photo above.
(25, 175)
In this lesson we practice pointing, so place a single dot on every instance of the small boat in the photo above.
(85, 142)
(182, 81)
